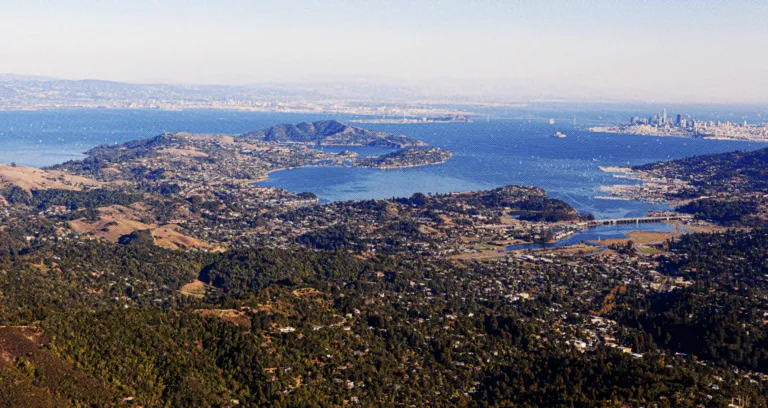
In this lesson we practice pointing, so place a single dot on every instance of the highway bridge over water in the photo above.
(641, 220)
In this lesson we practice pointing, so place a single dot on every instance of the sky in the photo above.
(672, 51)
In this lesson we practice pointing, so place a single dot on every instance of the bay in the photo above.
(487, 153)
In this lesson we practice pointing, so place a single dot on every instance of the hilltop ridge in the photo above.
(331, 133)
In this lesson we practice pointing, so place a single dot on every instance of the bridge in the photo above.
(641, 220)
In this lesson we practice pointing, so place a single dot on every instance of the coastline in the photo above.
(350, 111)
(651, 190)
(405, 166)
(385, 168)
(617, 130)
(406, 121)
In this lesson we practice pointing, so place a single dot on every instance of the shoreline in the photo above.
(648, 189)
(405, 122)
(409, 166)
(618, 131)
(383, 168)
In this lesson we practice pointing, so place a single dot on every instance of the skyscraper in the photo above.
(664, 117)
(679, 119)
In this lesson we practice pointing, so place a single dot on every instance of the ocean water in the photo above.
(487, 154)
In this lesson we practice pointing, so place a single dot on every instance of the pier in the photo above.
(641, 220)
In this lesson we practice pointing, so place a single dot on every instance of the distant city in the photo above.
(660, 124)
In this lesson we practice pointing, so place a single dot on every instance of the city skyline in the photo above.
(654, 51)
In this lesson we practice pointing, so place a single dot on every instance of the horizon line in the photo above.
(498, 99)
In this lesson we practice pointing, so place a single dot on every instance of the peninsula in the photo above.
(189, 158)
(729, 188)
(409, 157)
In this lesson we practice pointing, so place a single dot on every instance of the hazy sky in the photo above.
(678, 50)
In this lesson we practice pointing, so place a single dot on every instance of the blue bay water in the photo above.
(601, 232)
(487, 154)
(43, 138)
(501, 152)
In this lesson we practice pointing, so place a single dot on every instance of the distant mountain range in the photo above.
(47, 89)
(353, 89)
(35, 92)
(25, 90)
(20, 92)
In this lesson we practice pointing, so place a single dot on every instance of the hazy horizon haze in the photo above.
(687, 51)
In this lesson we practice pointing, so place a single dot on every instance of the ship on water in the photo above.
(559, 135)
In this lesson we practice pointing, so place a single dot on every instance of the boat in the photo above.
(559, 135)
